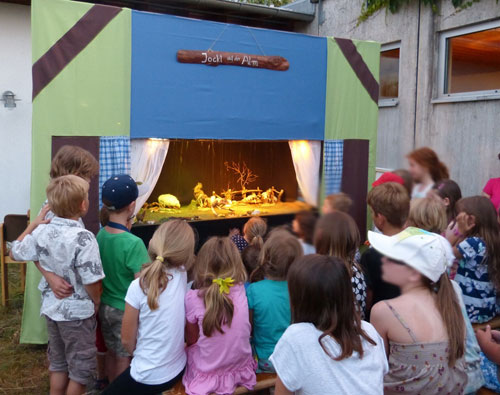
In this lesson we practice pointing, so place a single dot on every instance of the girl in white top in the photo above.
(426, 169)
(153, 323)
(327, 349)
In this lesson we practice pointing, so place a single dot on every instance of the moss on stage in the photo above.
(192, 212)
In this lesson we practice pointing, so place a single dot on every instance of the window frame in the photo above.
(392, 102)
(443, 97)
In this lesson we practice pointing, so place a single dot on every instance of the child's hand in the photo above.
(484, 336)
(59, 286)
(465, 222)
(496, 336)
(40, 218)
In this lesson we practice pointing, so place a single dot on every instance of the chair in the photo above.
(12, 226)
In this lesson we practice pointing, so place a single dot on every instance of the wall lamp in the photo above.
(9, 99)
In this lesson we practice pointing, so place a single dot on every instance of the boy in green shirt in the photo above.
(122, 255)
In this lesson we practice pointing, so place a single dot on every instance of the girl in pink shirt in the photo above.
(492, 190)
(219, 355)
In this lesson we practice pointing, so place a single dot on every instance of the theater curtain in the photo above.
(306, 156)
(147, 157)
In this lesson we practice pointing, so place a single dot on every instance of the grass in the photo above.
(23, 367)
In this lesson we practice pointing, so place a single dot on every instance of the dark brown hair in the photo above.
(306, 221)
(392, 201)
(451, 313)
(487, 228)
(321, 293)
(280, 250)
(448, 189)
(427, 158)
(250, 258)
(407, 179)
(71, 159)
(337, 235)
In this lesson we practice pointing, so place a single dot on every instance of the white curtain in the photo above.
(306, 157)
(147, 157)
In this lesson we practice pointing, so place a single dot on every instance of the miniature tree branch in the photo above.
(245, 175)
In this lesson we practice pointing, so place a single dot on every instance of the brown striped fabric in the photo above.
(359, 67)
(70, 45)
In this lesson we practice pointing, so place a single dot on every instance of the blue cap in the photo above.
(119, 191)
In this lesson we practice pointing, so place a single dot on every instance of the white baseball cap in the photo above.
(428, 253)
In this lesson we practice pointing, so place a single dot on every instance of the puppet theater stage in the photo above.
(108, 79)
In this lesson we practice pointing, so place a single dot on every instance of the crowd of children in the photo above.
(299, 301)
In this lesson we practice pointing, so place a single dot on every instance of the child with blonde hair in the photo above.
(428, 214)
(219, 355)
(268, 299)
(154, 314)
(253, 234)
(64, 247)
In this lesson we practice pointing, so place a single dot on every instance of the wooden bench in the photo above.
(494, 323)
(264, 381)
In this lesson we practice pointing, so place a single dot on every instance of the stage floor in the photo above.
(193, 213)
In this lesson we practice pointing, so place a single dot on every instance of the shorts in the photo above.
(111, 328)
(72, 348)
(99, 339)
(125, 384)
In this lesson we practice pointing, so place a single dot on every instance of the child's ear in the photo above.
(446, 202)
(471, 221)
(84, 206)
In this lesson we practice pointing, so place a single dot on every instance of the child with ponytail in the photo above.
(423, 329)
(426, 169)
(219, 355)
(268, 299)
(253, 234)
(153, 323)
(476, 241)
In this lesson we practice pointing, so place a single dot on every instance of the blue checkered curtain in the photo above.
(333, 159)
(114, 158)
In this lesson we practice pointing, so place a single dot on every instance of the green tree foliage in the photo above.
(370, 7)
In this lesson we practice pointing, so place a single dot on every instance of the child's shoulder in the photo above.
(472, 246)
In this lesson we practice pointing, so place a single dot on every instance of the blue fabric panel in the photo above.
(175, 100)
(333, 165)
(114, 159)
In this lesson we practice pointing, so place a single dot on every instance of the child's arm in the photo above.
(378, 318)
(487, 341)
(94, 290)
(60, 287)
(130, 324)
(192, 333)
(280, 388)
(20, 252)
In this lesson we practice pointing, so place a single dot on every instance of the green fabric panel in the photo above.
(62, 15)
(350, 113)
(90, 97)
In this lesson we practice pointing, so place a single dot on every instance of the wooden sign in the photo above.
(216, 58)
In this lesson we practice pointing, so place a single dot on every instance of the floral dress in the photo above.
(479, 293)
(359, 288)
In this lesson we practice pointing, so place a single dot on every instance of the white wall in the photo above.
(15, 124)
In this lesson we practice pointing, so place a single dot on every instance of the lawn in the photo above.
(23, 367)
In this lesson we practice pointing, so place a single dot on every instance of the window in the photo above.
(470, 62)
(389, 74)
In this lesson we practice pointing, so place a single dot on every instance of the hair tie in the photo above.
(224, 284)
(160, 258)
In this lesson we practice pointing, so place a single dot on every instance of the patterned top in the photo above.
(359, 289)
(479, 293)
(65, 248)
(422, 368)
(240, 242)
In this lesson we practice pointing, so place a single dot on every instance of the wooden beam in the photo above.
(216, 58)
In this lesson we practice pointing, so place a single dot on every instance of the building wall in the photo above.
(466, 135)
(15, 124)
